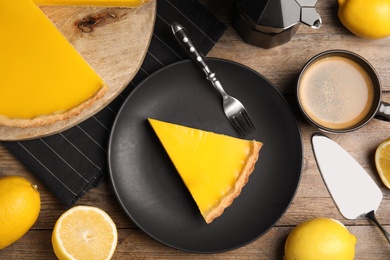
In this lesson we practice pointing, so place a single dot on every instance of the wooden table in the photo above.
(281, 66)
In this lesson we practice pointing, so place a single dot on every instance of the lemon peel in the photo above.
(20, 204)
(366, 19)
(320, 238)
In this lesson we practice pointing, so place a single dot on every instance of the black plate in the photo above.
(150, 190)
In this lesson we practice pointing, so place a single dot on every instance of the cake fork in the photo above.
(234, 110)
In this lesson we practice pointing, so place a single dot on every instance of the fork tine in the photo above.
(237, 125)
(248, 120)
(242, 122)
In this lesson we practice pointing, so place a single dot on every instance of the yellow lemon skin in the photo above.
(369, 19)
(20, 204)
(321, 239)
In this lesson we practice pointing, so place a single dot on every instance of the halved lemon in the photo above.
(382, 162)
(84, 232)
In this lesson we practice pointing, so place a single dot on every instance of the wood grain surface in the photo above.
(113, 41)
(281, 66)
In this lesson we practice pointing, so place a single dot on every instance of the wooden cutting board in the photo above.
(114, 41)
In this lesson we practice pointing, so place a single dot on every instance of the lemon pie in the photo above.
(214, 167)
(116, 3)
(43, 79)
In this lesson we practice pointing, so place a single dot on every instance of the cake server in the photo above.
(234, 110)
(352, 189)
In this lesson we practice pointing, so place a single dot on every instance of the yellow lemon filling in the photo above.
(214, 167)
(117, 3)
(40, 72)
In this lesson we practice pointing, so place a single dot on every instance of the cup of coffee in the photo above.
(339, 91)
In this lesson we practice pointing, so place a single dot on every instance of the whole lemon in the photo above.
(368, 19)
(320, 238)
(20, 204)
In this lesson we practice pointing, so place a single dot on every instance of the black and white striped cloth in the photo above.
(71, 162)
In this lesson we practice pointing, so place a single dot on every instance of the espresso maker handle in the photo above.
(383, 112)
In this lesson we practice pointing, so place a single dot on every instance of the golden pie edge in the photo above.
(242, 180)
(49, 119)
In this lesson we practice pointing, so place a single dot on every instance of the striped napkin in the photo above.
(72, 162)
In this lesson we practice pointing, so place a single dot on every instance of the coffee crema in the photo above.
(336, 92)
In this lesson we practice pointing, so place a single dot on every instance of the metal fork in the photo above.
(234, 110)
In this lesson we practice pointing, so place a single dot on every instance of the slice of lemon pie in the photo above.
(214, 167)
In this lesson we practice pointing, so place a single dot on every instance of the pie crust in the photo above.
(218, 209)
(53, 118)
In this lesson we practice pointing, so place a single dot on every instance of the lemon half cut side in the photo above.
(382, 162)
(84, 232)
